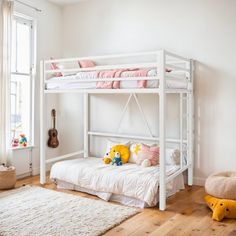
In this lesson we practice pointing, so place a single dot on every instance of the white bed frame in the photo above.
(163, 59)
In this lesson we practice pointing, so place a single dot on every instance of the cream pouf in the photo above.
(222, 185)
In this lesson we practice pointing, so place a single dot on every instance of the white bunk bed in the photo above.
(169, 73)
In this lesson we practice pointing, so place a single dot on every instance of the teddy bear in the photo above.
(117, 159)
(122, 150)
(107, 159)
(222, 208)
(148, 156)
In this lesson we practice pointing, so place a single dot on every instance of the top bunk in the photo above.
(147, 72)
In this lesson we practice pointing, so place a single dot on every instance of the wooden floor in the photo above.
(186, 214)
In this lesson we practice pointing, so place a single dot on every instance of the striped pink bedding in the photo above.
(117, 74)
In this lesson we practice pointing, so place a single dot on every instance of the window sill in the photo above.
(22, 148)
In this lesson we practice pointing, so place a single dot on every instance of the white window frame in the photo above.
(31, 22)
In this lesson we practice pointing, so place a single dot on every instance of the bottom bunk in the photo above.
(129, 184)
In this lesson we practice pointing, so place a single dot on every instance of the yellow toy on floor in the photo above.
(222, 208)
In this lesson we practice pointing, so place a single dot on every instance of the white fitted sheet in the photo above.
(129, 180)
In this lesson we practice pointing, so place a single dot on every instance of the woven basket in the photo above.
(8, 178)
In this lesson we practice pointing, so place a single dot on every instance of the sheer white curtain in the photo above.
(5, 43)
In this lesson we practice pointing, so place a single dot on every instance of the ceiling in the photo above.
(65, 2)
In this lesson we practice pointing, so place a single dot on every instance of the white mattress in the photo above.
(55, 81)
(128, 183)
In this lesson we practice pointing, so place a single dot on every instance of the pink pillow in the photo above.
(149, 153)
(86, 63)
(54, 66)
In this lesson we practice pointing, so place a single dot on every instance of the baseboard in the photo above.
(199, 181)
(196, 180)
(21, 176)
(36, 170)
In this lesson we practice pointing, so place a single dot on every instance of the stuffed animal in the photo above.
(222, 208)
(148, 156)
(146, 163)
(117, 159)
(123, 151)
(15, 142)
(107, 159)
(23, 140)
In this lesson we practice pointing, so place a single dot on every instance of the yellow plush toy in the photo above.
(123, 150)
(222, 208)
(106, 160)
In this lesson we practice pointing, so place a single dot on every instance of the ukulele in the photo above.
(53, 140)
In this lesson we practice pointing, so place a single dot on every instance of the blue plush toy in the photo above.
(117, 159)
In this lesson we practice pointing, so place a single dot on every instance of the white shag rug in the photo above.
(37, 211)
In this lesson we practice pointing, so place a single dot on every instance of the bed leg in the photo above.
(162, 197)
(42, 175)
(190, 175)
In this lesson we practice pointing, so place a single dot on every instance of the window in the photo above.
(21, 78)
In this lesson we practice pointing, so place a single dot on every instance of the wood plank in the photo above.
(186, 214)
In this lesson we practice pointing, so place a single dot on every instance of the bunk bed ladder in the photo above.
(42, 126)
(191, 126)
(86, 124)
(162, 130)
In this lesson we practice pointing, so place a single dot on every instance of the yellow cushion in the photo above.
(123, 150)
(222, 208)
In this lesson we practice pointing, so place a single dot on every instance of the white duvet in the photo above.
(129, 180)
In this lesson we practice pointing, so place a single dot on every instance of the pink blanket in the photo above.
(117, 74)
(140, 73)
(108, 74)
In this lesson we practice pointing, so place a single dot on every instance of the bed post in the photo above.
(181, 128)
(42, 126)
(86, 124)
(191, 126)
(162, 129)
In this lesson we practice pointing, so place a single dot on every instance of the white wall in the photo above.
(203, 30)
(49, 44)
